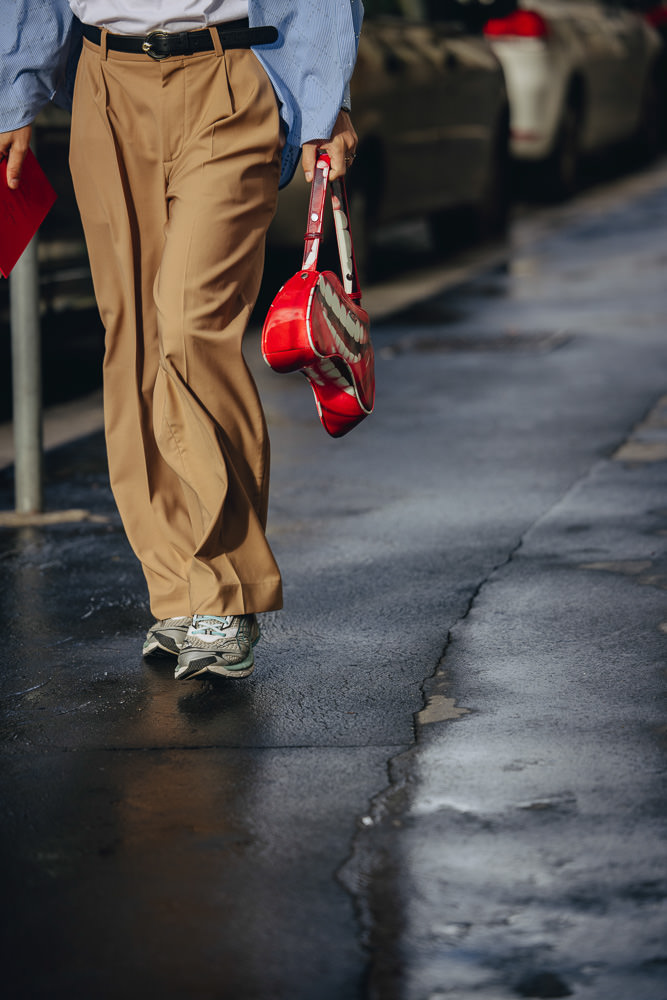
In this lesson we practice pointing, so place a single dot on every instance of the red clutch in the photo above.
(316, 325)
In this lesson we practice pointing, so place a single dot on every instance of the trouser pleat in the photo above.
(175, 166)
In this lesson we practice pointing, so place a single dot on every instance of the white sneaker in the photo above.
(219, 645)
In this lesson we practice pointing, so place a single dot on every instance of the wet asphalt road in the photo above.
(446, 777)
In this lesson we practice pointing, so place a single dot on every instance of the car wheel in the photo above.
(453, 228)
(560, 175)
(649, 136)
(491, 214)
(450, 229)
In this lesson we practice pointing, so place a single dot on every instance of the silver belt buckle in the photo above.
(154, 44)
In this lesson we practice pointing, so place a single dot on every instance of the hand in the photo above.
(341, 147)
(14, 145)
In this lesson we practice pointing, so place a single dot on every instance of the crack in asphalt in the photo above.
(388, 809)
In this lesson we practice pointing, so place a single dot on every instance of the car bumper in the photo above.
(535, 85)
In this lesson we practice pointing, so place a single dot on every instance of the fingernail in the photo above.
(309, 175)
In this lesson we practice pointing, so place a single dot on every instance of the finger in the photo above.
(14, 165)
(308, 157)
(14, 145)
(342, 160)
(336, 151)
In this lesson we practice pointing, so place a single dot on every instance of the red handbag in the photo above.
(316, 325)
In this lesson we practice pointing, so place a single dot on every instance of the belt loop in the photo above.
(103, 43)
(217, 44)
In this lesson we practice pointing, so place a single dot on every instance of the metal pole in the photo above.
(27, 381)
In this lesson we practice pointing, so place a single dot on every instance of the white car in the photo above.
(581, 76)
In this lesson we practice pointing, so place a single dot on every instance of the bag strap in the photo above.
(341, 215)
(318, 193)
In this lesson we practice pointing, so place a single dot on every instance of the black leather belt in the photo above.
(160, 44)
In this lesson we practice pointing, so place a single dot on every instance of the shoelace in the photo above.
(211, 624)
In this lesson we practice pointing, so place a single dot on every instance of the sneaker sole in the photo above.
(159, 649)
(209, 665)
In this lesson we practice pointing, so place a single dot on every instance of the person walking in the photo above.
(186, 119)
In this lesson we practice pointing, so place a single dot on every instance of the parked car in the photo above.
(581, 75)
(431, 111)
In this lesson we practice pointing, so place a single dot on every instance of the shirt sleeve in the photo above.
(310, 65)
(34, 46)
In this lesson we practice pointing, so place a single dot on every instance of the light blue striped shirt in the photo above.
(310, 65)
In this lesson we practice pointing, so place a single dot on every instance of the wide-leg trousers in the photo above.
(175, 166)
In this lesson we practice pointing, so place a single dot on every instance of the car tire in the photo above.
(560, 173)
(450, 229)
(649, 137)
(487, 219)
(491, 214)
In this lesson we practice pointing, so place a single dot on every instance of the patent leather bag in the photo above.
(316, 325)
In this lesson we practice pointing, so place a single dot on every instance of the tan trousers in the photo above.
(175, 166)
